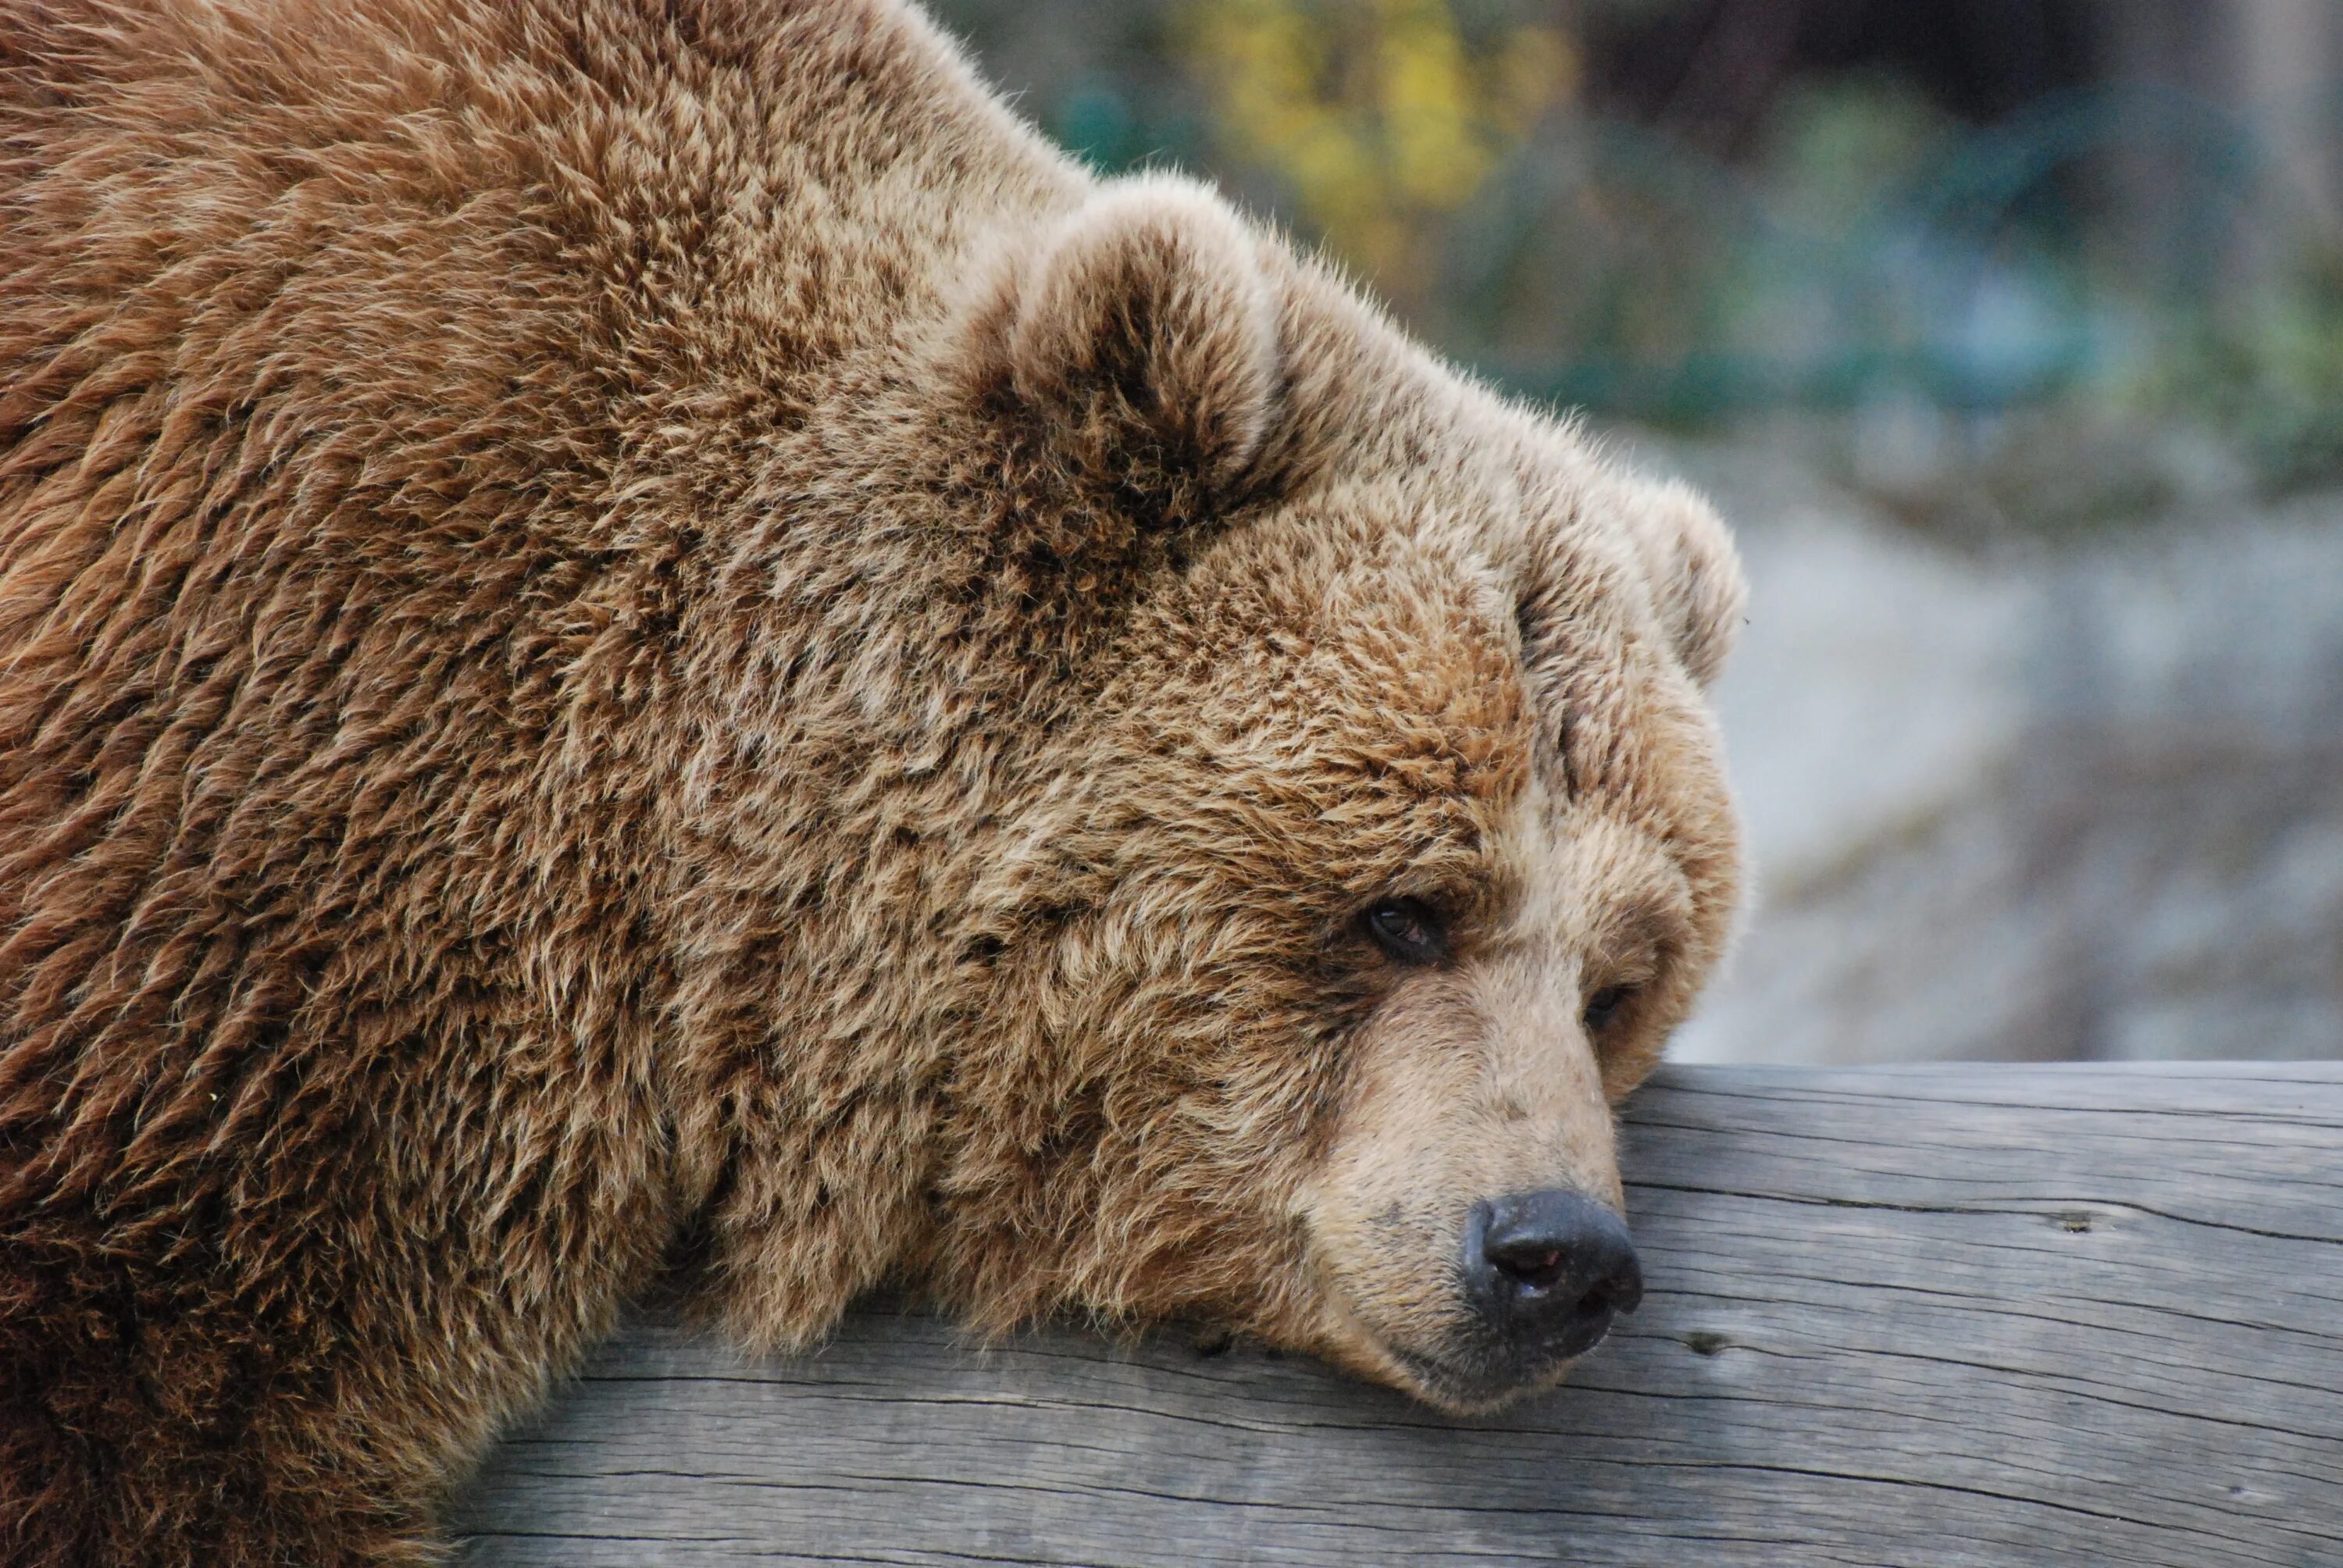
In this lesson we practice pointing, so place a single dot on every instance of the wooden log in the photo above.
(1972, 1315)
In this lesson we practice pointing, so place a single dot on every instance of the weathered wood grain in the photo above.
(1897, 1316)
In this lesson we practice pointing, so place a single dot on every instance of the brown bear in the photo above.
(644, 642)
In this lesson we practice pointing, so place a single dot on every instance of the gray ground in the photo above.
(2032, 797)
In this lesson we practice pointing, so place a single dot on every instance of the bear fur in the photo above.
(640, 640)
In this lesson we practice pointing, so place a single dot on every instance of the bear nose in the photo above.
(1551, 1269)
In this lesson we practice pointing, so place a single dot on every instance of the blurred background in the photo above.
(2009, 336)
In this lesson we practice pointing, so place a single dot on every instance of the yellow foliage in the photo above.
(1381, 115)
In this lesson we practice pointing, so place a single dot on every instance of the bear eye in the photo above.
(1407, 930)
(1602, 1006)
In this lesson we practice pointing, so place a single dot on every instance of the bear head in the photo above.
(1374, 837)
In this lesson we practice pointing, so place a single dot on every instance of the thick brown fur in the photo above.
(641, 635)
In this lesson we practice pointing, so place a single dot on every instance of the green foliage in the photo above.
(2273, 381)
(1838, 150)
(1868, 251)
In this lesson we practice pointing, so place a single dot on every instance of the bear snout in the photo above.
(1471, 1307)
(1546, 1272)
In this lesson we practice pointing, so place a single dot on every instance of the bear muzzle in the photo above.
(1538, 1280)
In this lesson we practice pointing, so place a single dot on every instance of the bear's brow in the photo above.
(1649, 922)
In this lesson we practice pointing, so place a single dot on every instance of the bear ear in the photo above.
(1138, 348)
(1695, 574)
